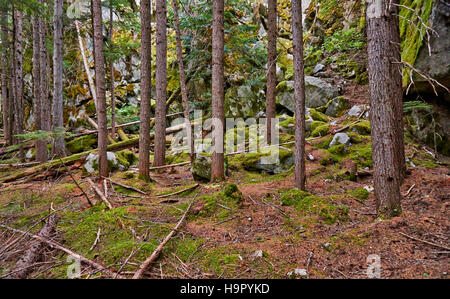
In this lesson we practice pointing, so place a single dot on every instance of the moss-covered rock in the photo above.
(318, 116)
(320, 130)
(201, 168)
(81, 144)
(264, 161)
(362, 127)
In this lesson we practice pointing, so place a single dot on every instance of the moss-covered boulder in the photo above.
(81, 144)
(115, 162)
(362, 127)
(319, 129)
(264, 161)
(201, 168)
(317, 116)
(318, 93)
(336, 107)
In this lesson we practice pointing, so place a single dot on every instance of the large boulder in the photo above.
(318, 93)
(244, 101)
(431, 128)
(264, 162)
(438, 64)
(115, 162)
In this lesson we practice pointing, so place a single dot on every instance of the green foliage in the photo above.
(293, 197)
(360, 193)
(412, 32)
(412, 105)
(344, 40)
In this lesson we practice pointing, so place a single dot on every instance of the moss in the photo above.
(323, 143)
(354, 137)
(362, 127)
(315, 205)
(318, 116)
(320, 130)
(412, 36)
(361, 154)
(337, 149)
(178, 158)
(81, 144)
(288, 121)
(424, 163)
(360, 193)
(328, 159)
(127, 157)
(293, 197)
(250, 159)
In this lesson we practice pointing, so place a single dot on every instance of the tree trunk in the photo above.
(40, 145)
(299, 94)
(271, 67)
(217, 163)
(4, 78)
(384, 86)
(59, 148)
(18, 49)
(86, 65)
(146, 77)
(161, 83)
(99, 59)
(46, 124)
(184, 97)
(113, 98)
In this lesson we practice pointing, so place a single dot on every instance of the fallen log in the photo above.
(122, 126)
(77, 157)
(73, 254)
(25, 264)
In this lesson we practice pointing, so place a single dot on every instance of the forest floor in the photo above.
(251, 233)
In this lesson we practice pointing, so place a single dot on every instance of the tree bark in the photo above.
(385, 96)
(59, 148)
(217, 163)
(4, 78)
(271, 67)
(146, 77)
(40, 145)
(299, 94)
(99, 59)
(161, 83)
(18, 72)
(46, 124)
(113, 98)
(184, 96)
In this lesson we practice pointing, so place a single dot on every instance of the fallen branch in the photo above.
(76, 183)
(426, 242)
(97, 238)
(178, 192)
(99, 193)
(126, 187)
(170, 165)
(157, 251)
(73, 254)
(24, 266)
